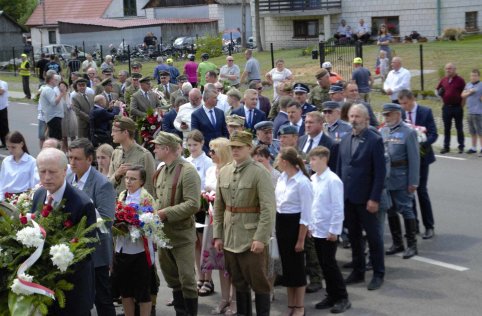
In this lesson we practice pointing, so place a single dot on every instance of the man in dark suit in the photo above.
(209, 120)
(361, 166)
(315, 137)
(52, 168)
(169, 117)
(263, 102)
(101, 117)
(82, 103)
(422, 116)
(295, 117)
(249, 110)
(103, 195)
(282, 117)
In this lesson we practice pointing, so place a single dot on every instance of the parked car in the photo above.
(63, 51)
(185, 42)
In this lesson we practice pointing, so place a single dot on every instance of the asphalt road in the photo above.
(446, 277)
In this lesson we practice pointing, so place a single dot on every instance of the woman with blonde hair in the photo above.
(103, 154)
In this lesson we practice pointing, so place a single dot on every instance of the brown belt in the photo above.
(399, 163)
(233, 209)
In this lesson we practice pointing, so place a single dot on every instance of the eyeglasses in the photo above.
(230, 59)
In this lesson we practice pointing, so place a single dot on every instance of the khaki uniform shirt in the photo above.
(245, 205)
(317, 96)
(180, 225)
(130, 90)
(137, 155)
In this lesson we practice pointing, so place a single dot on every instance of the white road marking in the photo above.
(438, 263)
(23, 103)
(34, 124)
(449, 157)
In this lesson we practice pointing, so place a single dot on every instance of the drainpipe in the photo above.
(439, 20)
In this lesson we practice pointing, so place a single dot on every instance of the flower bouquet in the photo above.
(421, 136)
(149, 126)
(38, 252)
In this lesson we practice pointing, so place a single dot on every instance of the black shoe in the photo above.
(471, 151)
(444, 151)
(375, 283)
(354, 278)
(429, 233)
(394, 249)
(345, 244)
(461, 150)
(313, 287)
(348, 265)
(328, 302)
(341, 306)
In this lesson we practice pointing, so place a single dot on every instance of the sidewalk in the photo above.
(16, 95)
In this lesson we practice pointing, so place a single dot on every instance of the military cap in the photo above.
(241, 138)
(390, 107)
(182, 78)
(335, 89)
(288, 130)
(136, 64)
(357, 60)
(106, 82)
(330, 105)
(145, 79)
(300, 87)
(235, 120)
(124, 123)
(168, 139)
(321, 73)
(164, 73)
(107, 70)
(80, 80)
(136, 75)
(263, 125)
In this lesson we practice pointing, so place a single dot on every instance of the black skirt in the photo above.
(293, 263)
(132, 276)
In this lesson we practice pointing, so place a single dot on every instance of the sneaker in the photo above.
(471, 151)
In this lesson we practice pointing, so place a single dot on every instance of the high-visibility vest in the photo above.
(23, 69)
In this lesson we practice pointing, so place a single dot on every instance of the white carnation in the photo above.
(146, 218)
(135, 233)
(30, 237)
(61, 256)
(16, 287)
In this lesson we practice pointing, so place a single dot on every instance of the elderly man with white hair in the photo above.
(183, 119)
(56, 192)
(397, 80)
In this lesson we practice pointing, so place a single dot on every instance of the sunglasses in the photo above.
(328, 111)
(230, 59)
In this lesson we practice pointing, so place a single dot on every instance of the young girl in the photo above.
(103, 155)
(18, 172)
(383, 65)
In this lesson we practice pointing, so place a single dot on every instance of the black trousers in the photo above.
(26, 86)
(103, 295)
(424, 198)
(3, 125)
(55, 128)
(456, 113)
(326, 252)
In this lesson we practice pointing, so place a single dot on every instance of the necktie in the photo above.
(410, 117)
(75, 184)
(50, 200)
(147, 97)
(310, 145)
(213, 120)
(109, 97)
(86, 100)
(250, 119)
(166, 88)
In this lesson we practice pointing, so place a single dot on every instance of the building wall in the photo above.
(10, 34)
(190, 12)
(233, 19)
(172, 31)
(116, 9)
(40, 36)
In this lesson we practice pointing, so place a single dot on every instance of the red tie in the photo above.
(50, 199)
(410, 117)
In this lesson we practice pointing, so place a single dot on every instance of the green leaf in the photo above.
(60, 296)
(20, 305)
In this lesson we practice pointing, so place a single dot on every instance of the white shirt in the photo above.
(298, 124)
(342, 30)
(327, 210)
(413, 114)
(211, 179)
(56, 196)
(208, 113)
(202, 164)
(362, 28)
(294, 195)
(17, 177)
(80, 183)
(316, 141)
(397, 81)
(222, 103)
(4, 96)
(184, 115)
(277, 77)
(124, 244)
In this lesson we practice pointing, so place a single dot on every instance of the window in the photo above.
(130, 8)
(305, 28)
(390, 21)
(471, 21)
(52, 37)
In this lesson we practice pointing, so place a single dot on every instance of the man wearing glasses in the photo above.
(230, 72)
(91, 74)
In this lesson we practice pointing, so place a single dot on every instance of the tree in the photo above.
(258, 26)
(19, 10)
(243, 23)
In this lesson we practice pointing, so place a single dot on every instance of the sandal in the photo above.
(221, 308)
(200, 284)
(206, 289)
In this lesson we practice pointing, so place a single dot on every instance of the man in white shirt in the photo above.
(397, 80)
(362, 32)
(183, 119)
(3, 112)
(341, 30)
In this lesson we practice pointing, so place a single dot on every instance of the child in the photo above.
(326, 224)
(383, 65)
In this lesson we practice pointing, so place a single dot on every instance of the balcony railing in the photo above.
(270, 6)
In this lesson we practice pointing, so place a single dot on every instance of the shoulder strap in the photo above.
(156, 174)
(177, 173)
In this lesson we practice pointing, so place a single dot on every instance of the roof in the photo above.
(56, 10)
(8, 17)
(129, 23)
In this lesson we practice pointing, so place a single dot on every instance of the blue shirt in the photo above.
(361, 75)
(474, 104)
(158, 69)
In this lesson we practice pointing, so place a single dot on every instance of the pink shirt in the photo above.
(190, 69)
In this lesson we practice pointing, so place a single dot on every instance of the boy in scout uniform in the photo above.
(403, 149)
(243, 219)
(128, 154)
(319, 94)
(177, 187)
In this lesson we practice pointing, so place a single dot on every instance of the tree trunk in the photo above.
(258, 27)
(243, 24)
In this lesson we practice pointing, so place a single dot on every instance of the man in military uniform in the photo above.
(82, 104)
(179, 92)
(108, 92)
(264, 135)
(336, 93)
(335, 127)
(301, 95)
(245, 207)
(177, 189)
(131, 89)
(319, 94)
(128, 154)
(284, 89)
(288, 136)
(165, 86)
(108, 74)
(403, 150)
(143, 99)
(234, 123)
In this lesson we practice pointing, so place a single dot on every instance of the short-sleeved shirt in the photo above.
(474, 103)
(203, 68)
(453, 89)
(361, 75)
(53, 66)
(41, 66)
(230, 71)
(190, 69)
(253, 69)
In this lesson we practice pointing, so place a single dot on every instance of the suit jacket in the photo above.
(168, 123)
(201, 122)
(139, 103)
(80, 300)
(101, 124)
(99, 89)
(258, 116)
(114, 96)
(167, 95)
(363, 174)
(424, 117)
(103, 195)
(82, 107)
(325, 141)
(175, 95)
(280, 120)
(264, 104)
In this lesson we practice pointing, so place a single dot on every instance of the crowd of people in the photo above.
(282, 182)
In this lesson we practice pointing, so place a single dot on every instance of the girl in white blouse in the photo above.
(18, 172)
(294, 196)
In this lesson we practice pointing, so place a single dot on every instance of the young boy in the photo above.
(326, 225)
